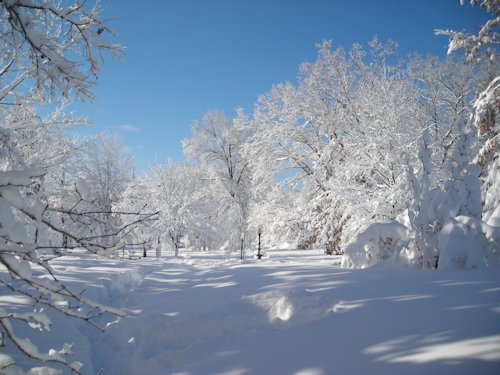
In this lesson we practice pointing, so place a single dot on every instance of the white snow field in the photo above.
(296, 312)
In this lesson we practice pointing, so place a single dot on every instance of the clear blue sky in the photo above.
(186, 57)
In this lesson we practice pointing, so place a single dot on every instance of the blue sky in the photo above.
(186, 57)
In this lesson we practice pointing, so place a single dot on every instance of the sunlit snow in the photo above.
(296, 312)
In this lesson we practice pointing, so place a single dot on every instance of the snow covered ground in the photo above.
(296, 312)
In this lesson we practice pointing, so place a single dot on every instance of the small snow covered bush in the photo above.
(466, 242)
(378, 242)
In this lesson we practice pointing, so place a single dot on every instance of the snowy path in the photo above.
(297, 314)
(290, 315)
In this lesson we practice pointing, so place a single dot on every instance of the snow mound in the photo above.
(295, 307)
(119, 286)
(125, 282)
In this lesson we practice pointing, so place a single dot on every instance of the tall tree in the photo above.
(179, 194)
(217, 142)
(106, 167)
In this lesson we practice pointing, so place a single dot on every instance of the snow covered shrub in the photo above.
(432, 204)
(424, 206)
(467, 242)
(477, 47)
(443, 228)
(378, 242)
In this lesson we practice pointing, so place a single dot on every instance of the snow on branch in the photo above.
(487, 105)
(19, 253)
(488, 102)
(61, 45)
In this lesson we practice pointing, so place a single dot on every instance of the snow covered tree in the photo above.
(487, 104)
(217, 142)
(135, 204)
(484, 41)
(338, 136)
(38, 139)
(184, 210)
(447, 90)
(479, 239)
(49, 51)
(106, 167)
(280, 213)
(443, 226)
